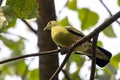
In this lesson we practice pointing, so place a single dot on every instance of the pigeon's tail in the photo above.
(102, 61)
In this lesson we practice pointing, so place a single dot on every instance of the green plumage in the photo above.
(66, 36)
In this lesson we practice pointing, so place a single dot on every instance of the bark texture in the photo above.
(49, 63)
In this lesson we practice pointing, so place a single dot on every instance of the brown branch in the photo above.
(1, 2)
(63, 7)
(98, 29)
(30, 27)
(30, 55)
(66, 75)
(63, 63)
(93, 64)
(86, 38)
(101, 1)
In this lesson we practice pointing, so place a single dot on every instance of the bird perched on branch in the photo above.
(65, 36)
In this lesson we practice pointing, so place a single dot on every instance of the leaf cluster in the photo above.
(14, 9)
(28, 9)
(88, 20)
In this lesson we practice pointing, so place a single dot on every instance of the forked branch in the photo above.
(86, 38)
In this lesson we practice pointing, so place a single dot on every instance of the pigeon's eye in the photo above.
(50, 23)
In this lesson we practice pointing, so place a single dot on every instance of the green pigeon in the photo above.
(65, 36)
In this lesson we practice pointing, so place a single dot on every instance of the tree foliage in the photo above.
(28, 9)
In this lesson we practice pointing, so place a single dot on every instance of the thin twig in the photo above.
(63, 63)
(66, 75)
(64, 6)
(93, 64)
(86, 38)
(101, 1)
(29, 26)
(30, 55)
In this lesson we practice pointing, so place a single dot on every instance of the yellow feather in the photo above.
(62, 37)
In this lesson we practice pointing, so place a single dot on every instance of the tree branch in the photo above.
(66, 75)
(63, 63)
(93, 64)
(1, 2)
(86, 38)
(30, 27)
(63, 7)
(101, 1)
(30, 55)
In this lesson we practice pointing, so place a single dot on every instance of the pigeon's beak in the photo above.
(45, 28)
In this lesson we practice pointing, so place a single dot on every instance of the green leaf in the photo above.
(9, 25)
(88, 18)
(64, 22)
(77, 59)
(115, 61)
(99, 43)
(108, 73)
(8, 12)
(111, 69)
(13, 68)
(10, 19)
(16, 46)
(72, 4)
(34, 74)
(118, 2)
(103, 77)
(75, 76)
(24, 8)
(21, 68)
(109, 32)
